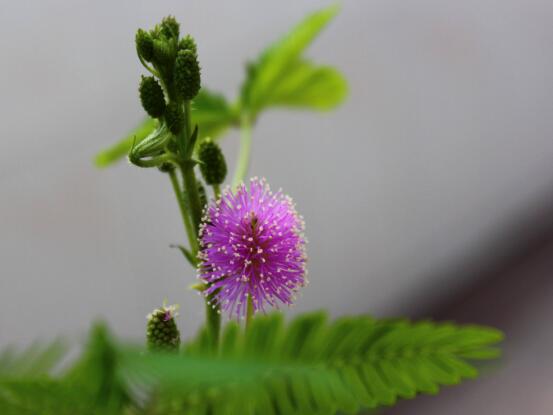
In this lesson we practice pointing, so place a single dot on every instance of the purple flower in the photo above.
(252, 246)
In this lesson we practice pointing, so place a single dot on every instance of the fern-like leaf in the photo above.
(312, 367)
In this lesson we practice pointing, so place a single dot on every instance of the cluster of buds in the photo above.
(173, 82)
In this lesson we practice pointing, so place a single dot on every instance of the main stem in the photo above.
(188, 175)
(191, 188)
(243, 162)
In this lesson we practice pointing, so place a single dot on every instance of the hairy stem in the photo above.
(243, 162)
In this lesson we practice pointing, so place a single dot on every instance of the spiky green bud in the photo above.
(214, 166)
(144, 45)
(188, 43)
(187, 74)
(174, 117)
(151, 96)
(162, 332)
(170, 28)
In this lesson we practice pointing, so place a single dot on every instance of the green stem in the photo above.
(188, 175)
(183, 211)
(213, 315)
(243, 162)
(217, 191)
(249, 312)
(191, 187)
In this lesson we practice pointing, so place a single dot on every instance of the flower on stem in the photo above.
(252, 247)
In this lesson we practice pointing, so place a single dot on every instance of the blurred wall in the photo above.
(409, 190)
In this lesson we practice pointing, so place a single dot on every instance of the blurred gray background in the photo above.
(429, 193)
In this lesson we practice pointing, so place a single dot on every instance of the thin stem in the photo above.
(249, 312)
(243, 162)
(213, 315)
(191, 187)
(183, 211)
(151, 70)
(217, 191)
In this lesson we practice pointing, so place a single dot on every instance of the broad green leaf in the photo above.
(283, 56)
(210, 111)
(213, 113)
(305, 85)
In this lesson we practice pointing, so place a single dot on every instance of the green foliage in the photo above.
(305, 85)
(210, 111)
(281, 77)
(309, 366)
(121, 149)
(37, 359)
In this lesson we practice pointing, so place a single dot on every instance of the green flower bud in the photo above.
(144, 45)
(170, 27)
(174, 117)
(163, 52)
(161, 331)
(214, 166)
(151, 96)
(188, 43)
(187, 74)
(203, 195)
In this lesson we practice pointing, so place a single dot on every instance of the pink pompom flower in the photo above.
(252, 246)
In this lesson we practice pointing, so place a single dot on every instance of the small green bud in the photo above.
(163, 52)
(203, 195)
(161, 331)
(214, 166)
(151, 96)
(174, 116)
(188, 43)
(170, 27)
(187, 74)
(144, 45)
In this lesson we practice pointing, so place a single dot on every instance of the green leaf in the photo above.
(281, 65)
(305, 85)
(308, 366)
(311, 366)
(210, 111)
(37, 359)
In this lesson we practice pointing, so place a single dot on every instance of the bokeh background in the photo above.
(429, 193)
